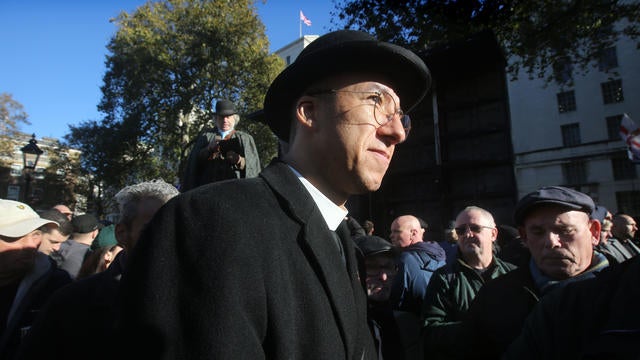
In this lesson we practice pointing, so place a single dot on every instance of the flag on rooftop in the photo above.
(304, 19)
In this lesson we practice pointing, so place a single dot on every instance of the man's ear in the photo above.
(523, 235)
(595, 229)
(305, 111)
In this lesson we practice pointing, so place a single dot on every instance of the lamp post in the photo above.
(30, 155)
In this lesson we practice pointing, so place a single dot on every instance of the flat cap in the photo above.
(558, 195)
(599, 213)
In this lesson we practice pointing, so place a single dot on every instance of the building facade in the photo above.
(568, 134)
(44, 186)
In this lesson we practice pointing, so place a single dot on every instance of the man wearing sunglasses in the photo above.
(454, 286)
(555, 225)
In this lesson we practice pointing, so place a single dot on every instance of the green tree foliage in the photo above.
(169, 62)
(12, 115)
(537, 35)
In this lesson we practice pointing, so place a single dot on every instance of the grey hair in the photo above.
(129, 197)
(485, 213)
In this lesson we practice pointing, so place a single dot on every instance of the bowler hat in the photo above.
(558, 195)
(225, 108)
(345, 52)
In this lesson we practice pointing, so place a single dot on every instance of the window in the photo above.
(612, 91)
(613, 126)
(575, 173)
(608, 59)
(566, 101)
(38, 173)
(623, 168)
(628, 202)
(16, 170)
(571, 134)
(288, 60)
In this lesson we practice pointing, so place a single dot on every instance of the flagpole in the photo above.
(300, 25)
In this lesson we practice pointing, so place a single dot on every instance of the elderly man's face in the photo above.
(476, 234)
(225, 123)
(128, 234)
(405, 231)
(381, 270)
(560, 241)
(355, 150)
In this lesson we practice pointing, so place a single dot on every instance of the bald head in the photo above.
(405, 231)
(64, 210)
(624, 227)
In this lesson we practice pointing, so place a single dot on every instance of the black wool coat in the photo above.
(244, 269)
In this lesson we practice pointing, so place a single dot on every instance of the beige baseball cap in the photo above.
(18, 219)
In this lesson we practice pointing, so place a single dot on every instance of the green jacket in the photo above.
(449, 295)
(201, 169)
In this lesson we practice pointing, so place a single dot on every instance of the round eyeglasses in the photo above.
(384, 107)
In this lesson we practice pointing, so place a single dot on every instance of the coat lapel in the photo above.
(321, 251)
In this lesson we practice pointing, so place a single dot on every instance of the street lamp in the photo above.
(30, 156)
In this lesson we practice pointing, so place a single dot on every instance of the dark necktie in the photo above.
(336, 238)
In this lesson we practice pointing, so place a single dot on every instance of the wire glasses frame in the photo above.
(385, 108)
(475, 228)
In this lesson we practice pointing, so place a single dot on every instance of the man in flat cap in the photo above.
(221, 152)
(265, 268)
(27, 277)
(555, 225)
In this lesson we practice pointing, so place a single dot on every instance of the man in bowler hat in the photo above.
(221, 152)
(265, 268)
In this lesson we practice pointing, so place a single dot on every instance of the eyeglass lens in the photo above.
(386, 110)
(461, 230)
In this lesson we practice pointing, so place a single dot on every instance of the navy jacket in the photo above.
(417, 262)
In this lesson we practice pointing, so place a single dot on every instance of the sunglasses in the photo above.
(476, 229)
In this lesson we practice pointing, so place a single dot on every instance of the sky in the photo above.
(52, 53)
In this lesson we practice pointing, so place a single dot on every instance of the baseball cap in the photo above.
(106, 238)
(558, 195)
(85, 223)
(19, 219)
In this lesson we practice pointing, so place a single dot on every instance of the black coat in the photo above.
(35, 288)
(244, 269)
(84, 311)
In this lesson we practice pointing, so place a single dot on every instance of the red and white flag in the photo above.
(304, 19)
(630, 134)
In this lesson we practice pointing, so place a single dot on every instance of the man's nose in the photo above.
(393, 130)
(552, 240)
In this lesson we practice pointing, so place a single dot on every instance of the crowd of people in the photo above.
(250, 263)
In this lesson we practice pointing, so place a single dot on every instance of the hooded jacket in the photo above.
(417, 263)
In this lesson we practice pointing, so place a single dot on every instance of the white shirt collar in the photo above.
(333, 214)
(224, 133)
